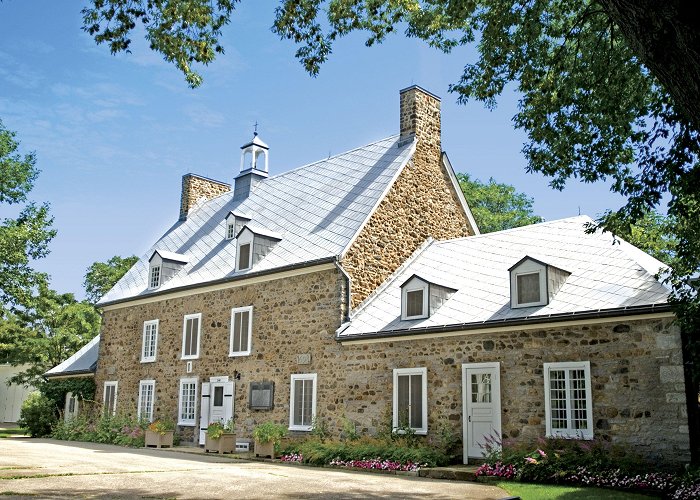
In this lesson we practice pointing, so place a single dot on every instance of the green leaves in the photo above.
(185, 32)
(101, 276)
(496, 206)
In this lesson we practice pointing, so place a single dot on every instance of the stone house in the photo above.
(357, 288)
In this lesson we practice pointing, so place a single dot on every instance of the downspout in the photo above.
(348, 281)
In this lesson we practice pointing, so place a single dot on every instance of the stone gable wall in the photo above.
(636, 375)
(291, 316)
(422, 203)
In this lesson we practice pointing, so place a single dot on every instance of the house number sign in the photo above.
(304, 359)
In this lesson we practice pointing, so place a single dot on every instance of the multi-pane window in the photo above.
(414, 298)
(244, 256)
(146, 396)
(410, 408)
(568, 400)
(528, 286)
(109, 399)
(241, 331)
(154, 281)
(230, 230)
(191, 331)
(302, 402)
(188, 401)
(150, 341)
(414, 303)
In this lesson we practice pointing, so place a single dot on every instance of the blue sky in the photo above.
(114, 134)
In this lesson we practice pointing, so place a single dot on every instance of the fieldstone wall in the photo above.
(291, 317)
(196, 187)
(421, 203)
(636, 376)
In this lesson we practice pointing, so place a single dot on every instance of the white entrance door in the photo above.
(217, 403)
(481, 395)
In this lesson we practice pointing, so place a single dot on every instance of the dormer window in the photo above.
(534, 283)
(414, 299)
(154, 281)
(253, 244)
(234, 223)
(163, 265)
(231, 230)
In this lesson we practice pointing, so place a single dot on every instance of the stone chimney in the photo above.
(420, 119)
(196, 188)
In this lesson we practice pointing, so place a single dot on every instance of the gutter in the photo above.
(291, 267)
(75, 373)
(498, 323)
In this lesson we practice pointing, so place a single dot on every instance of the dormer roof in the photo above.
(255, 229)
(170, 256)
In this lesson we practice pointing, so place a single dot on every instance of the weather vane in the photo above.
(255, 129)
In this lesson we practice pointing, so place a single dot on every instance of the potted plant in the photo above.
(159, 434)
(268, 435)
(220, 437)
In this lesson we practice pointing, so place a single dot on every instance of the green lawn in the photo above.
(5, 433)
(528, 491)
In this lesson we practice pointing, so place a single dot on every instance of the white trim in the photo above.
(292, 395)
(144, 358)
(415, 284)
(151, 271)
(411, 152)
(528, 266)
(199, 334)
(245, 237)
(536, 324)
(496, 400)
(235, 311)
(180, 421)
(204, 288)
(115, 384)
(139, 410)
(569, 432)
(399, 372)
(460, 195)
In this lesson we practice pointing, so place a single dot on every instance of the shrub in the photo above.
(93, 425)
(269, 431)
(38, 415)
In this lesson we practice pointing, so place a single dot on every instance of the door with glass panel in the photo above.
(481, 394)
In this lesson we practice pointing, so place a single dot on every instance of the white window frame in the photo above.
(180, 420)
(292, 396)
(153, 270)
(528, 267)
(114, 384)
(235, 311)
(199, 334)
(149, 411)
(569, 432)
(245, 238)
(416, 285)
(231, 229)
(146, 340)
(424, 396)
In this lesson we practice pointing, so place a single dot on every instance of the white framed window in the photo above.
(241, 331)
(244, 256)
(109, 397)
(147, 393)
(567, 396)
(231, 229)
(187, 406)
(191, 333)
(302, 402)
(414, 299)
(154, 279)
(410, 405)
(528, 284)
(150, 341)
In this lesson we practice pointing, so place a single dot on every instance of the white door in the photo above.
(481, 394)
(217, 403)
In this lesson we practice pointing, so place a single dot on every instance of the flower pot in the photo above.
(265, 449)
(224, 444)
(158, 440)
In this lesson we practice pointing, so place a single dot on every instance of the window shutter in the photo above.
(204, 412)
(229, 389)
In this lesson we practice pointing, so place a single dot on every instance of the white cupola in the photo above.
(254, 167)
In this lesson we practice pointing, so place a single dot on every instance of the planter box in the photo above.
(265, 449)
(225, 444)
(158, 440)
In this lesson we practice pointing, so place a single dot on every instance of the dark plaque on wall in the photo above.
(261, 395)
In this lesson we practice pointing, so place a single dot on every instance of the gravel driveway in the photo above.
(44, 468)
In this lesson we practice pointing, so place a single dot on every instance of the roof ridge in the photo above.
(416, 253)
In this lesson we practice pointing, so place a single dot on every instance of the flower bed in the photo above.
(377, 464)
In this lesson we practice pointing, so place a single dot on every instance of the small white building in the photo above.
(11, 396)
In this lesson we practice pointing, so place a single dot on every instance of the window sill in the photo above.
(189, 358)
(419, 432)
(571, 436)
(304, 428)
(238, 354)
(186, 424)
(148, 360)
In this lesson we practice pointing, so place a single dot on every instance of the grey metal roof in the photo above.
(316, 210)
(82, 362)
(603, 276)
